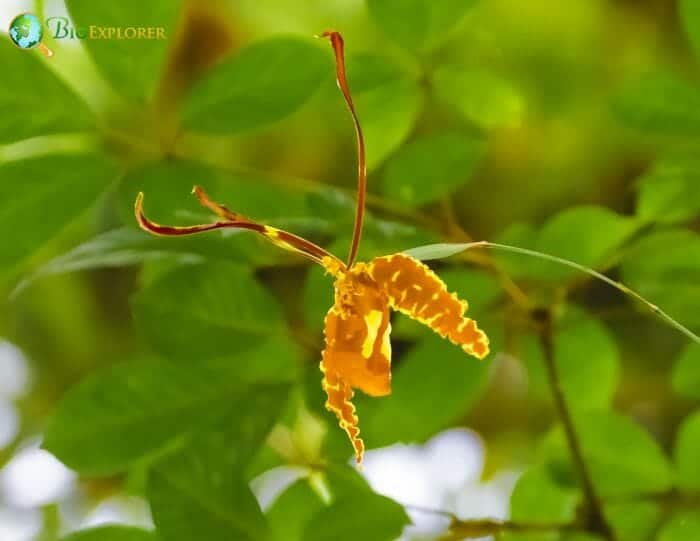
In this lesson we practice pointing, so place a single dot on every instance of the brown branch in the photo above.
(596, 519)
(474, 529)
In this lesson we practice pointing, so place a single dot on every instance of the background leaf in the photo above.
(41, 196)
(431, 167)
(686, 453)
(208, 310)
(290, 513)
(132, 66)
(690, 18)
(44, 107)
(263, 83)
(667, 193)
(686, 372)
(132, 410)
(683, 526)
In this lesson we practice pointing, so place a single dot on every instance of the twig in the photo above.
(597, 520)
(473, 529)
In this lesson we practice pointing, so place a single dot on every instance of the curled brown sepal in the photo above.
(233, 220)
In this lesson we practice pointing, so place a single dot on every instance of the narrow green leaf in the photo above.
(668, 193)
(193, 498)
(40, 196)
(690, 17)
(118, 416)
(435, 383)
(437, 251)
(132, 66)
(660, 103)
(686, 372)
(687, 452)
(663, 267)
(112, 533)
(208, 310)
(621, 456)
(263, 83)
(431, 167)
(482, 97)
(45, 106)
(682, 527)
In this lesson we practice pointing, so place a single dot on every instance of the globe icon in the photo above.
(26, 31)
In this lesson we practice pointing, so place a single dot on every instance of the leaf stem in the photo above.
(595, 508)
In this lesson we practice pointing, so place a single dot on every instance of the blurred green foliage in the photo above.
(168, 368)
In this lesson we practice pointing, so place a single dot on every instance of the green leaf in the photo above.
(435, 383)
(482, 97)
(263, 83)
(437, 251)
(686, 372)
(633, 521)
(118, 416)
(660, 103)
(690, 17)
(41, 196)
(208, 310)
(663, 267)
(387, 113)
(112, 533)
(418, 24)
(431, 167)
(45, 106)
(193, 497)
(622, 457)
(667, 193)
(683, 527)
(358, 515)
(292, 510)
(687, 452)
(587, 361)
(537, 498)
(132, 66)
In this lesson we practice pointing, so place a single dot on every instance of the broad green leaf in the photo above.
(686, 372)
(585, 234)
(208, 310)
(482, 97)
(660, 103)
(418, 24)
(41, 196)
(292, 510)
(537, 498)
(112, 533)
(34, 101)
(587, 361)
(668, 193)
(387, 113)
(663, 267)
(690, 17)
(633, 521)
(434, 384)
(193, 497)
(622, 457)
(682, 527)
(687, 452)
(263, 83)
(132, 66)
(358, 515)
(118, 416)
(431, 167)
